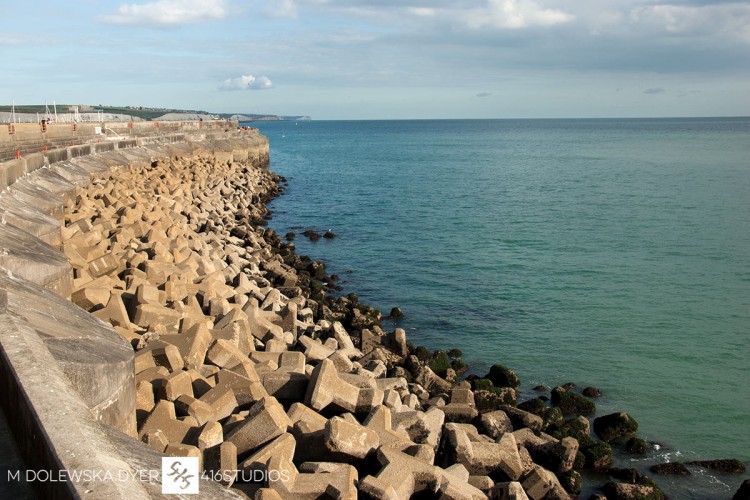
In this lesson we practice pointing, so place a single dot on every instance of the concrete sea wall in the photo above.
(63, 372)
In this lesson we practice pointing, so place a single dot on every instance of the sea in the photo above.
(612, 253)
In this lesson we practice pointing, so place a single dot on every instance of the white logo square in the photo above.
(180, 475)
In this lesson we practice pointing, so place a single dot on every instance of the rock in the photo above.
(743, 492)
(311, 234)
(290, 236)
(329, 235)
(396, 312)
(327, 387)
(440, 362)
(571, 481)
(591, 392)
(636, 446)
(575, 428)
(495, 423)
(466, 446)
(511, 490)
(266, 421)
(350, 440)
(401, 476)
(494, 400)
(728, 466)
(553, 418)
(523, 419)
(571, 403)
(615, 425)
(535, 406)
(597, 454)
(623, 491)
(670, 469)
(502, 376)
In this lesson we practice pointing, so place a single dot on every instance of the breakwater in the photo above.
(245, 362)
(68, 380)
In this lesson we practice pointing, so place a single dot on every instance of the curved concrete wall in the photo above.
(64, 372)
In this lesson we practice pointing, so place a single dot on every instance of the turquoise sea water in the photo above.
(613, 253)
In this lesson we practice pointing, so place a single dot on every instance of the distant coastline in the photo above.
(30, 113)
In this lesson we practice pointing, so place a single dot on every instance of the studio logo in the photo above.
(180, 475)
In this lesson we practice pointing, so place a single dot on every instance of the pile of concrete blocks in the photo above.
(235, 364)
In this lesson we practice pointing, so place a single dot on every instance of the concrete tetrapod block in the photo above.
(97, 361)
(508, 491)
(282, 447)
(308, 427)
(323, 479)
(288, 381)
(220, 463)
(246, 390)
(163, 418)
(265, 421)
(520, 418)
(314, 349)
(173, 386)
(345, 341)
(192, 345)
(221, 400)
(495, 423)
(483, 457)
(402, 476)
(349, 441)
(141, 458)
(547, 451)
(539, 483)
(421, 427)
(326, 387)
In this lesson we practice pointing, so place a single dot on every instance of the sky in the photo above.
(383, 59)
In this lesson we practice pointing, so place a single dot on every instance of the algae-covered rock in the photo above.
(571, 403)
(670, 469)
(614, 426)
(553, 418)
(440, 363)
(571, 481)
(535, 406)
(636, 446)
(597, 454)
(591, 392)
(422, 353)
(455, 353)
(574, 428)
(494, 399)
(502, 376)
(459, 365)
(625, 491)
(743, 492)
(482, 384)
(728, 465)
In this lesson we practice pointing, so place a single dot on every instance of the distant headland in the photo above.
(87, 113)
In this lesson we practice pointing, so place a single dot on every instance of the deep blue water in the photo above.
(613, 253)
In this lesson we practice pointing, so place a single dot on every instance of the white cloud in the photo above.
(282, 8)
(168, 12)
(732, 19)
(246, 82)
(515, 14)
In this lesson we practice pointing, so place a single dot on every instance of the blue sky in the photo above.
(380, 59)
